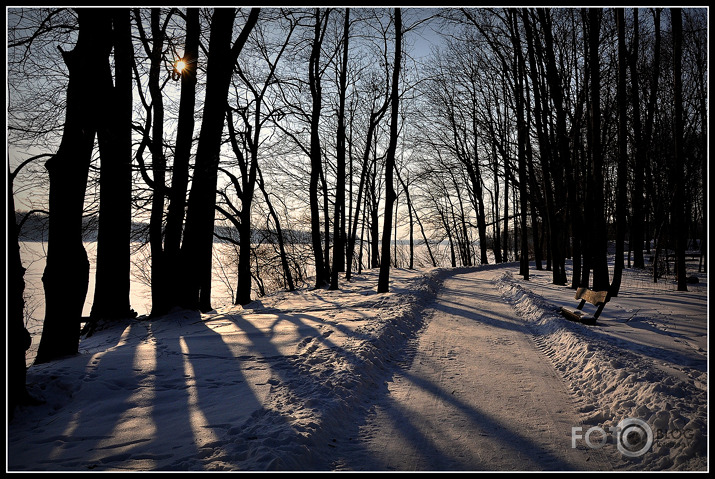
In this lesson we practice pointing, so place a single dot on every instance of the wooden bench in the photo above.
(596, 298)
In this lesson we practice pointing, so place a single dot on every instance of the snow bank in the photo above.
(614, 382)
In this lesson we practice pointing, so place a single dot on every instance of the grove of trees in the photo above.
(320, 142)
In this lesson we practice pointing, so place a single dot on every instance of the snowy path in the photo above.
(478, 395)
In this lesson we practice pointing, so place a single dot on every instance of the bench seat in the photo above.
(585, 295)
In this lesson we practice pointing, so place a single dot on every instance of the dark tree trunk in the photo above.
(542, 135)
(622, 180)
(18, 338)
(243, 289)
(316, 160)
(532, 184)
(599, 251)
(66, 275)
(704, 138)
(549, 159)
(519, 73)
(180, 172)
(374, 225)
(587, 182)
(339, 221)
(678, 214)
(197, 248)
(326, 224)
(158, 274)
(248, 164)
(383, 283)
(475, 175)
(561, 157)
(534, 200)
(647, 139)
(114, 136)
(505, 231)
(495, 206)
(638, 213)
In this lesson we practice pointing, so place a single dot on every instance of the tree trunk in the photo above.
(638, 213)
(647, 135)
(326, 224)
(534, 200)
(180, 172)
(495, 207)
(159, 277)
(197, 249)
(475, 174)
(622, 180)
(599, 251)
(561, 157)
(339, 219)
(383, 283)
(702, 265)
(316, 160)
(18, 338)
(532, 184)
(678, 212)
(374, 225)
(243, 289)
(519, 77)
(505, 231)
(66, 275)
(549, 160)
(114, 136)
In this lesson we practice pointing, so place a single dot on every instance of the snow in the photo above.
(647, 360)
(284, 383)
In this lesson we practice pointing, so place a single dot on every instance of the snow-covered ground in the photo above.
(270, 386)
(646, 359)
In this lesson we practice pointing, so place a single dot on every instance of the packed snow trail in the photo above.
(478, 395)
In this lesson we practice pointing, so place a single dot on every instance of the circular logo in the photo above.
(634, 437)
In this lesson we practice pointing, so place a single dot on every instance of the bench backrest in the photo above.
(593, 297)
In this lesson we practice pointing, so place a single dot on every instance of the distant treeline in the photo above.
(34, 226)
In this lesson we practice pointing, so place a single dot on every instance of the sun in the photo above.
(179, 66)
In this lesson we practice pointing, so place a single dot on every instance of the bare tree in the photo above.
(637, 197)
(383, 284)
(316, 156)
(19, 339)
(180, 171)
(114, 135)
(679, 231)
(622, 198)
(519, 78)
(253, 113)
(339, 221)
(196, 250)
(66, 275)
